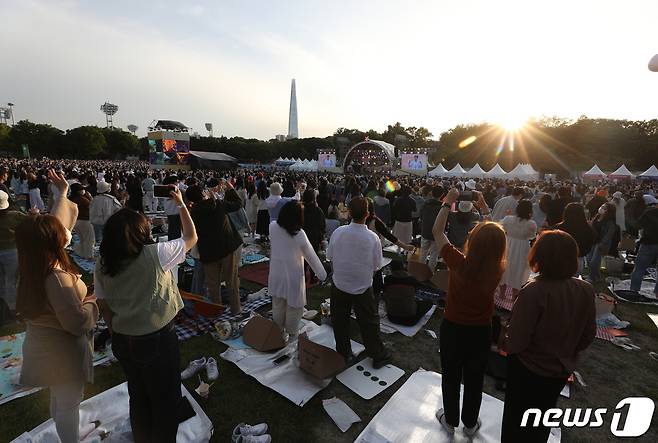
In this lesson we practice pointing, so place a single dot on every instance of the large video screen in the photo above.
(168, 148)
(413, 162)
(326, 161)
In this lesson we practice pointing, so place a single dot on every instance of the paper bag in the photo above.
(263, 334)
(416, 266)
(627, 244)
(319, 361)
(441, 279)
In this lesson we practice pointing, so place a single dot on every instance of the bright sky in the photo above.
(360, 64)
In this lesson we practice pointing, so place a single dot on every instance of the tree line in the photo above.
(550, 144)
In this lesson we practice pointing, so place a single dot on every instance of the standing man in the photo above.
(171, 210)
(430, 210)
(150, 201)
(648, 252)
(356, 254)
(403, 209)
(506, 205)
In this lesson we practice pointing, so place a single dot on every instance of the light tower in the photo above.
(109, 110)
(133, 128)
(209, 129)
(293, 129)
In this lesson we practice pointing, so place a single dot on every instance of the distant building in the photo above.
(293, 129)
(280, 137)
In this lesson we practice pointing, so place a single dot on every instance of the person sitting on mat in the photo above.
(553, 321)
(465, 334)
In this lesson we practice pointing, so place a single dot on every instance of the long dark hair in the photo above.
(524, 209)
(124, 236)
(291, 217)
(574, 216)
(40, 242)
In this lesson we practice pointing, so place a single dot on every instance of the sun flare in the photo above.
(512, 123)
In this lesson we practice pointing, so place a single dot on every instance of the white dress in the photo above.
(286, 278)
(519, 233)
(252, 208)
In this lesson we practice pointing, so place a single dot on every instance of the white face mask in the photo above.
(602, 210)
(69, 237)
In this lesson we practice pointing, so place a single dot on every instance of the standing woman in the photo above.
(575, 224)
(9, 220)
(286, 283)
(263, 215)
(553, 321)
(84, 229)
(315, 224)
(605, 226)
(59, 313)
(252, 207)
(465, 334)
(520, 229)
(139, 300)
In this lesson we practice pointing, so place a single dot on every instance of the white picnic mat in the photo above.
(408, 417)
(366, 381)
(111, 408)
(286, 378)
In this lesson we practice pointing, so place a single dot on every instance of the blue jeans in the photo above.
(98, 232)
(595, 263)
(198, 279)
(646, 256)
(8, 276)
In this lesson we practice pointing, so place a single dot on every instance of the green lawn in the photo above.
(610, 373)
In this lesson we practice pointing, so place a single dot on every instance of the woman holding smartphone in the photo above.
(466, 327)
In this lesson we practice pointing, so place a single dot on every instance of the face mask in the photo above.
(69, 237)
(602, 210)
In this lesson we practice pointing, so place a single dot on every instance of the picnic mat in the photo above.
(388, 327)
(504, 300)
(187, 327)
(258, 273)
(111, 409)
(286, 378)
(408, 416)
(11, 361)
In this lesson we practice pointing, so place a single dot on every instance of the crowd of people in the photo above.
(491, 235)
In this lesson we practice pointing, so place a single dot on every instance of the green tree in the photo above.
(120, 143)
(5, 130)
(42, 139)
(85, 142)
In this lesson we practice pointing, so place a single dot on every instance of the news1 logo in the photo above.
(632, 417)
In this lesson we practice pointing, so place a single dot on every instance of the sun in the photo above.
(512, 123)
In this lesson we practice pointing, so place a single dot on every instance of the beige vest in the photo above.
(143, 297)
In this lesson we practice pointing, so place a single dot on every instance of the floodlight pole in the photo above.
(11, 110)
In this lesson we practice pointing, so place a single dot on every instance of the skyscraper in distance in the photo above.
(293, 129)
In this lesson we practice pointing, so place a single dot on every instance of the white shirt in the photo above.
(504, 207)
(286, 276)
(170, 254)
(356, 254)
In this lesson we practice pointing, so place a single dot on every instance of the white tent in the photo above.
(532, 172)
(475, 172)
(439, 171)
(524, 172)
(595, 172)
(495, 172)
(652, 172)
(621, 172)
(457, 171)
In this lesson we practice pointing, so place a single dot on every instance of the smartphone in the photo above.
(469, 196)
(281, 359)
(162, 191)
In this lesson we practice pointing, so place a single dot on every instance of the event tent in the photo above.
(495, 172)
(211, 160)
(524, 172)
(531, 171)
(439, 171)
(622, 172)
(594, 173)
(475, 172)
(457, 171)
(651, 173)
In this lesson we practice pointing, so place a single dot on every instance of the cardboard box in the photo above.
(317, 360)
(263, 334)
(441, 279)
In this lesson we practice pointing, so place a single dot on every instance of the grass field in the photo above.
(610, 373)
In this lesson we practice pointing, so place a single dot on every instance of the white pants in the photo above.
(85, 231)
(286, 317)
(429, 247)
(403, 231)
(65, 410)
(150, 201)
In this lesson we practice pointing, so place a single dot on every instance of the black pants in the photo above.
(151, 365)
(174, 230)
(527, 390)
(367, 316)
(464, 353)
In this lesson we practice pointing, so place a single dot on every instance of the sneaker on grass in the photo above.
(212, 372)
(243, 431)
(194, 367)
